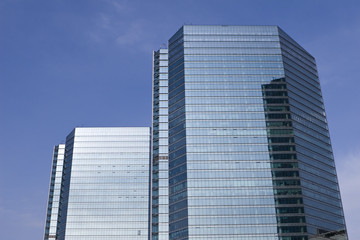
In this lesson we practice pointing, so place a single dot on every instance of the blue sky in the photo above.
(88, 63)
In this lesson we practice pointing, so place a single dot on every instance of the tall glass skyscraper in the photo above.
(249, 149)
(240, 150)
(105, 185)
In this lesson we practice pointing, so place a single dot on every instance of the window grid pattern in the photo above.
(54, 192)
(217, 121)
(220, 121)
(322, 202)
(285, 170)
(105, 192)
(160, 164)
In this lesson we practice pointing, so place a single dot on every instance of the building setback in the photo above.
(249, 149)
(105, 184)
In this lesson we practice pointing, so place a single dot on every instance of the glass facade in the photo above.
(249, 149)
(320, 189)
(160, 165)
(240, 149)
(105, 184)
(54, 192)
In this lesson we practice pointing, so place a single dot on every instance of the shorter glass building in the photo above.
(105, 185)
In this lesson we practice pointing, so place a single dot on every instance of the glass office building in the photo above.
(105, 185)
(160, 149)
(240, 150)
(54, 192)
(249, 149)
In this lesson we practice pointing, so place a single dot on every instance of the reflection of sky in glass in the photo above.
(228, 176)
(106, 184)
(217, 122)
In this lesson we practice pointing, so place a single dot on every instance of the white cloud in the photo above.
(117, 24)
(121, 6)
(348, 168)
(132, 34)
